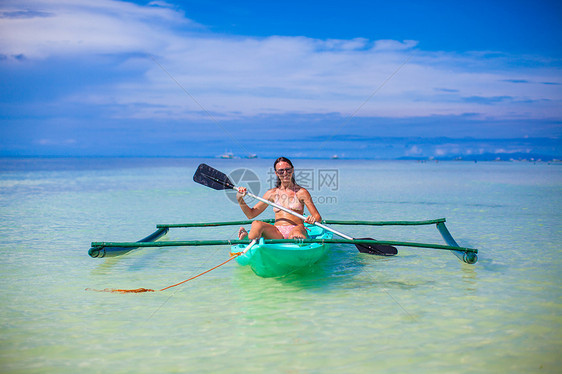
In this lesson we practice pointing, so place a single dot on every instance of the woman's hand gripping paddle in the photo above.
(210, 177)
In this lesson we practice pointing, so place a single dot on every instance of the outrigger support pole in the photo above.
(197, 243)
(468, 257)
(118, 250)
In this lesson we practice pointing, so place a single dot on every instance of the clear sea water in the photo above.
(421, 311)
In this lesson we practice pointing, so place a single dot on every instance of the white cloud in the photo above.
(56, 142)
(394, 45)
(69, 27)
(234, 76)
(514, 150)
(414, 151)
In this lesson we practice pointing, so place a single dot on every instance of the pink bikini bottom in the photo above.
(285, 230)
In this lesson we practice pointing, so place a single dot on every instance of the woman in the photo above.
(287, 194)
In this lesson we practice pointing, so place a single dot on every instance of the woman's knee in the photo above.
(257, 228)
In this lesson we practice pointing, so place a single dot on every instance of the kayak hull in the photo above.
(275, 260)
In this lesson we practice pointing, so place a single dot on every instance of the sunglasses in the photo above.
(283, 171)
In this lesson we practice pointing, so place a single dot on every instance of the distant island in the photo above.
(518, 156)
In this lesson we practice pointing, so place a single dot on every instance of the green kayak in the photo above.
(277, 259)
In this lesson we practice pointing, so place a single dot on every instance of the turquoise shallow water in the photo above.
(421, 311)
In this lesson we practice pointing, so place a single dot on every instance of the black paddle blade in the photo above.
(210, 177)
(376, 249)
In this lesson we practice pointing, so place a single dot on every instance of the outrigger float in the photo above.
(278, 257)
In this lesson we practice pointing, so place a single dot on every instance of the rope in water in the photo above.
(141, 290)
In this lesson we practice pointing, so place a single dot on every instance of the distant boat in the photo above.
(227, 155)
(252, 155)
(335, 157)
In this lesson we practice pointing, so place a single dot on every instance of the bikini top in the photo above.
(287, 202)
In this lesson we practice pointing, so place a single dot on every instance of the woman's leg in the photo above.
(266, 230)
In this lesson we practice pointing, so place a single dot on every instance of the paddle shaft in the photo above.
(298, 215)
(249, 246)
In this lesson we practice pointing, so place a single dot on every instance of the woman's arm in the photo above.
(307, 199)
(257, 209)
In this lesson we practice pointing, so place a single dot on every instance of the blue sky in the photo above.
(374, 79)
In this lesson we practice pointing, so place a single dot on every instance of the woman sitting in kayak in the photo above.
(287, 194)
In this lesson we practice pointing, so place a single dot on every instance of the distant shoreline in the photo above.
(503, 157)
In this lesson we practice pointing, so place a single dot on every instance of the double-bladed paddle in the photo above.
(210, 177)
